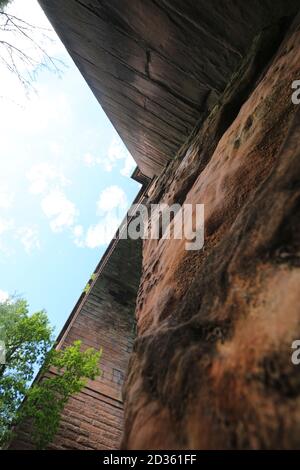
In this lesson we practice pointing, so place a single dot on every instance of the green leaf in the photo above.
(47, 398)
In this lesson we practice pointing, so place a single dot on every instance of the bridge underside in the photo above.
(155, 66)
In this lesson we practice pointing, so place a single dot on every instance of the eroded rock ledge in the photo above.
(211, 366)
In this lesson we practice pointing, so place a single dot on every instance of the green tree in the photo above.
(28, 345)
(4, 3)
(27, 339)
(46, 399)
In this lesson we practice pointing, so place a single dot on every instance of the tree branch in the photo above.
(22, 62)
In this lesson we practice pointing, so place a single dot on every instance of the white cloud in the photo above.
(102, 233)
(78, 230)
(32, 116)
(29, 238)
(57, 207)
(111, 205)
(112, 197)
(77, 235)
(117, 153)
(89, 159)
(57, 149)
(6, 199)
(129, 166)
(5, 225)
(41, 175)
(3, 296)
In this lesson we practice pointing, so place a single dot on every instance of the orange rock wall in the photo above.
(212, 367)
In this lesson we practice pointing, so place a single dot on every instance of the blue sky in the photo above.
(64, 182)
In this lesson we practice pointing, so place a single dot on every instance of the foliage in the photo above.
(47, 398)
(4, 3)
(89, 284)
(28, 339)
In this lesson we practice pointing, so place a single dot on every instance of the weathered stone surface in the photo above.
(155, 65)
(211, 367)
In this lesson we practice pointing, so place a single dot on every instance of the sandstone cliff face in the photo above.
(211, 366)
